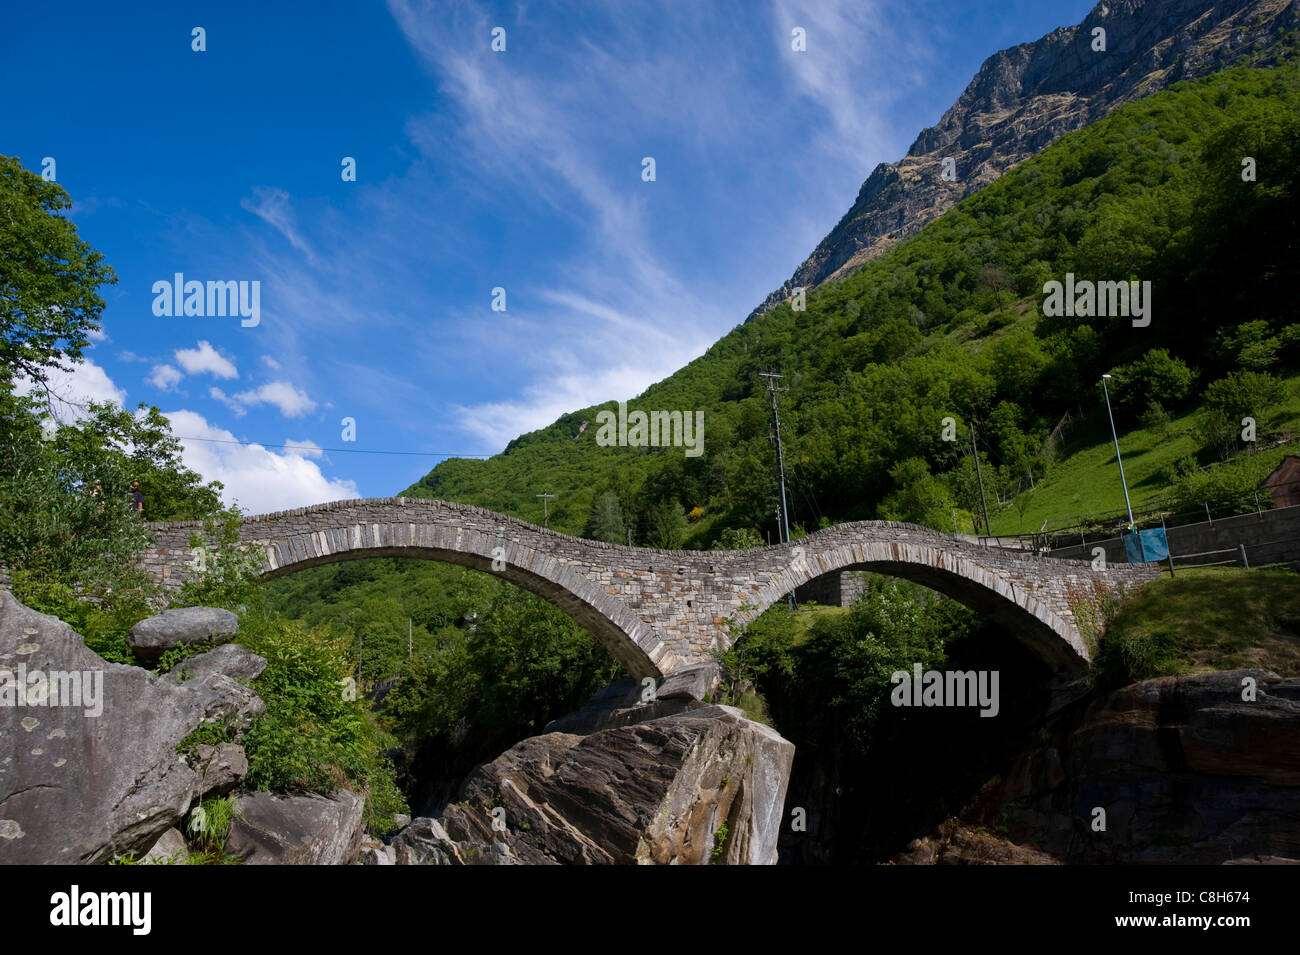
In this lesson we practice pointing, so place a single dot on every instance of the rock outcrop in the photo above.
(296, 830)
(82, 783)
(1025, 98)
(152, 637)
(701, 785)
(1188, 770)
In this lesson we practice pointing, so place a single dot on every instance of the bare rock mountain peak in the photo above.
(1026, 97)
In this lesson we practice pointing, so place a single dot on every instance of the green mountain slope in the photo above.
(950, 324)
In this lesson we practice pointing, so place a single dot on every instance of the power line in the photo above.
(300, 447)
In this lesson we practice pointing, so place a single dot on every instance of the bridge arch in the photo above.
(524, 555)
(1015, 591)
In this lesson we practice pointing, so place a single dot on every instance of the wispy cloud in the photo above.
(273, 206)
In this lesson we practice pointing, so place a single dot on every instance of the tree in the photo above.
(919, 497)
(141, 444)
(1156, 376)
(737, 538)
(994, 280)
(605, 522)
(59, 533)
(48, 297)
(667, 525)
(1229, 400)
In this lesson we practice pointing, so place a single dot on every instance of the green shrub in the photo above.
(316, 734)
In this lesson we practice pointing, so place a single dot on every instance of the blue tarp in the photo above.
(1154, 546)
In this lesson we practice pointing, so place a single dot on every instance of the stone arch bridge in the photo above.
(659, 610)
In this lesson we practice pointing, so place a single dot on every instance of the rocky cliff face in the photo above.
(1025, 98)
(1191, 770)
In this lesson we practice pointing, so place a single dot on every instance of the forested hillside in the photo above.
(950, 324)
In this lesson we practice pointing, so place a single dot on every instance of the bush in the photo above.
(1157, 378)
(1228, 401)
(227, 571)
(316, 734)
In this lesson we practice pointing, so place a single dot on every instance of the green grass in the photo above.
(1205, 619)
(1084, 481)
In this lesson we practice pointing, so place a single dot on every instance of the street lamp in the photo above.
(1118, 459)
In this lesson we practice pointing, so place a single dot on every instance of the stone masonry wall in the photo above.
(660, 609)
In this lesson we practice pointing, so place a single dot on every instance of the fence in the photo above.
(1105, 526)
(1263, 539)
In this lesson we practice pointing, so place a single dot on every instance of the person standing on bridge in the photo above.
(137, 498)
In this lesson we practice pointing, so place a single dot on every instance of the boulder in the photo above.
(84, 783)
(221, 768)
(379, 855)
(700, 786)
(170, 849)
(296, 830)
(154, 636)
(1187, 770)
(619, 704)
(693, 682)
(231, 660)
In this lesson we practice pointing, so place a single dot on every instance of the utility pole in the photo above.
(1132, 525)
(410, 640)
(546, 511)
(979, 474)
(1118, 459)
(780, 460)
(780, 457)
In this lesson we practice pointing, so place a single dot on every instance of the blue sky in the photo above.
(475, 170)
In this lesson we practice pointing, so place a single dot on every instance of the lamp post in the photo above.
(1118, 459)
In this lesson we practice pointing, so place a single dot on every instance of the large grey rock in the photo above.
(170, 849)
(693, 682)
(221, 768)
(81, 784)
(232, 660)
(154, 636)
(1188, 771)
(379, 855)
(296, 830)
(619, 704)
(225, 700)
(653, 792)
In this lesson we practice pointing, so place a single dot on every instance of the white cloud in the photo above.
(292, 402)
(72, 388)
(205, 358)
(216, 394)
(308, 449)
(271, 363)
(97, 335)
(255, 477)
(164, 377)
